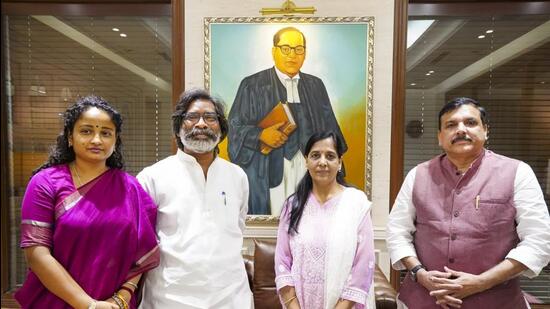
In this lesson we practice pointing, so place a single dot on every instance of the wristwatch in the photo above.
(415, 270)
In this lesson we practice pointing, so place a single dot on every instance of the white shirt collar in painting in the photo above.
(291, 86)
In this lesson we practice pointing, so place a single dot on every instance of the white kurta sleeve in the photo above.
(400, 227)
(244, 205)
(533, 222)
(147, 183)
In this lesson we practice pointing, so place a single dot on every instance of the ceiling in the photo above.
(81, 47)
(452, 50)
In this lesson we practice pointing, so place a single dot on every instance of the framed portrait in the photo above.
(333, 74)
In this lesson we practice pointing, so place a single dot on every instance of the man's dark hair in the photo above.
(185, 100)
(277, 36)
(458, 102)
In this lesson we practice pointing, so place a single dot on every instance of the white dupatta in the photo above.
(342, 243)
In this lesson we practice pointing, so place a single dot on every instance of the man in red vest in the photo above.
(467, 223)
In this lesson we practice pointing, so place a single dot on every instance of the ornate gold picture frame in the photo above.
(340, 51)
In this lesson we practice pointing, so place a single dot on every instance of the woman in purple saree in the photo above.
(87, 227)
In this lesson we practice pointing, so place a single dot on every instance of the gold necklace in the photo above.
(77, 175)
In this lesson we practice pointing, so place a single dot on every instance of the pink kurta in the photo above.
(300, 259)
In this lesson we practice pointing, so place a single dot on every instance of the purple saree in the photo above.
(103, 233)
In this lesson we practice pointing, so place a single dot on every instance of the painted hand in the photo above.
(272, 137)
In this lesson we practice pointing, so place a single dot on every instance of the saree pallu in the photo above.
(102, 233)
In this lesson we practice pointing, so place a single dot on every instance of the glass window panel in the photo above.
(52, 60)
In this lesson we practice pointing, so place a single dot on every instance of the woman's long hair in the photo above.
(62, 153)
(299, 198)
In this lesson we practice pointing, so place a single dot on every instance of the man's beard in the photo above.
(199, 145)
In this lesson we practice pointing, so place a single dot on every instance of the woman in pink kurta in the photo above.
(325, 251)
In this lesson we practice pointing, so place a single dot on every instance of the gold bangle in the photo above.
(122, 300)
(130, 283)
(288, 301)
(118, 301)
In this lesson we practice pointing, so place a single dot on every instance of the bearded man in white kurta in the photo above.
(202, 204)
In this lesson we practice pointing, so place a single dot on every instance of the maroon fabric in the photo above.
(451, 231)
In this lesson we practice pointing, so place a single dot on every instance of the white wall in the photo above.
(382, 11)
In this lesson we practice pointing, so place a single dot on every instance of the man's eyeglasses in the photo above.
(286, 49)
(209, 118)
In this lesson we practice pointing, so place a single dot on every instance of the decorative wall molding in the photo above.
(380, 233)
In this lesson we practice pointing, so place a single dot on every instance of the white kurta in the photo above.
(200, 226)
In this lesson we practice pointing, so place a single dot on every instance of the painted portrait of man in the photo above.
(289, 71)
(274, 175)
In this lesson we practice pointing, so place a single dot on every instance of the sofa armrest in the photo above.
(249, 266)
(384, 293)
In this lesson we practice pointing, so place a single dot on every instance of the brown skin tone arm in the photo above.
(125, 294)
(473, 284)
(344, 304)
(287, 293)
(426, 279)
(57, 280)
(410, 262)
